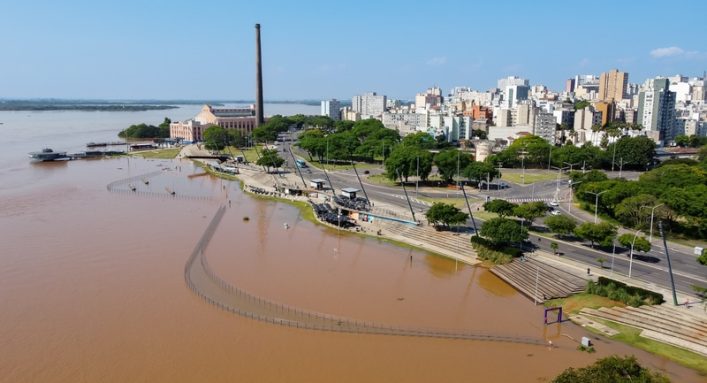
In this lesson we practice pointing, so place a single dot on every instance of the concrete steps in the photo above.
(456, 243)
(666, 324)
(551, 281)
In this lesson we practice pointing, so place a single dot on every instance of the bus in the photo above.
(300, 163)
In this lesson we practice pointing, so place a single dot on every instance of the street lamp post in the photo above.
(596, 203)
(569, 205)
(570, 165)
(630, 263)
(650, 235)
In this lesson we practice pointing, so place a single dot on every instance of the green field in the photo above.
(530, 177)
(165, 154)
(575, 303)
(632, 336)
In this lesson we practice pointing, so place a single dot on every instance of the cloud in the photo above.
(583, 62)
(435, 61)
(667, 52)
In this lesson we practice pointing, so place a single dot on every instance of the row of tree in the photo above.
(534, 152)
(675, 192)
(363, 140)
(147, 131)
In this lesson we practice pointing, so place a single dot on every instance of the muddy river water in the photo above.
(92, 289)
(92, 285)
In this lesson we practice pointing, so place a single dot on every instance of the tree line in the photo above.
(147, 131)
(676, 192)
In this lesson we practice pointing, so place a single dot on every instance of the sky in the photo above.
(153, 49)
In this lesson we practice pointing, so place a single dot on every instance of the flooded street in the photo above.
(92, 289)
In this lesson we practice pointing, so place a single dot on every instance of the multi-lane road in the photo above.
(651, 267)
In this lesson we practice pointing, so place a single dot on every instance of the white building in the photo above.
(369, 105)
(656, 109)
(331, 108)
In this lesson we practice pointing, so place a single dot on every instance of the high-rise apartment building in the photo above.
(369, 104)
(331, 108)
(656, 108)
(612, 85)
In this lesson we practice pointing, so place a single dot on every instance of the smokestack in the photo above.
(259, 118)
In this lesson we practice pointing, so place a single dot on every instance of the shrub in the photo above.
(615, 290)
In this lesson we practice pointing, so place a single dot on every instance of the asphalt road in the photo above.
(650, 267)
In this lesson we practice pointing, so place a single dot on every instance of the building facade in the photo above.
(369, 105)
(612, 85)
(242, 119)
(656, 109)
(332, 109)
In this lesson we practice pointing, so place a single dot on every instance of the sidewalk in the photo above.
(580, 269)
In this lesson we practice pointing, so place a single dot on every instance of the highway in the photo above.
(651, 267)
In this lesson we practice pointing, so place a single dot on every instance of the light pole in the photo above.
(630, 263)
(569, 205)
(596, 203)
(570, 165)
(549, 159)
(417, 181)
(621, 166)
(522, 165)
(650, 236)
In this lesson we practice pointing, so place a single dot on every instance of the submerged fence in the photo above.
(205, 283)
(125, 186)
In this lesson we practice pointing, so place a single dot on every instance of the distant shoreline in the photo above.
(40, 105)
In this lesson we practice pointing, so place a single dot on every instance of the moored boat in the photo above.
(49, 155)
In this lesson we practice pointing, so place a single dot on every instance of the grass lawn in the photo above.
(165, 154)
(380, 179)
(631, 335)
(250, 154)
(575, 303)
(342, 166)
(530, 177)
(485, 215)
(458, 202)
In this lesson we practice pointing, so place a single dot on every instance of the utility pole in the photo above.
(670, 266)
(473, 221)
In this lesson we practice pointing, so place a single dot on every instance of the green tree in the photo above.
(682, 140)
(602, 233)
(581, 104)
(445, 214)
(636, 152)
(501, 207)
(561, 224)
(641, 243)
(404, 160)
(529, 211)
(554, 246)
(702, 259)
(236, 138)
(480, 171)
(314, 142)
(630, 210)
(503, 231)
(270, 159)
(422, 140)
(215, 138)
(450, 161)
(612, 369)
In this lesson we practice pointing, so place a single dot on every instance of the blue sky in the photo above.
(321, 49)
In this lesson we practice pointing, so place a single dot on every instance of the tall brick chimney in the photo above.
(259, 117)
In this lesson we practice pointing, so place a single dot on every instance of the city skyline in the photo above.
(318, 50)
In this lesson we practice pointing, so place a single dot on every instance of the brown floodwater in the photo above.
(92, 289)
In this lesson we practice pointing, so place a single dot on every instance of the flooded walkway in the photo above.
(208, 285)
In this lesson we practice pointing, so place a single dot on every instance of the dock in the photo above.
(551, 281)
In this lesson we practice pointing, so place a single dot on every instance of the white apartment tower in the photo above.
(369, 105)
(331, 108)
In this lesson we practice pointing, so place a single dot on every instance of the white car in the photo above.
(554, 212)
(554, 203)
